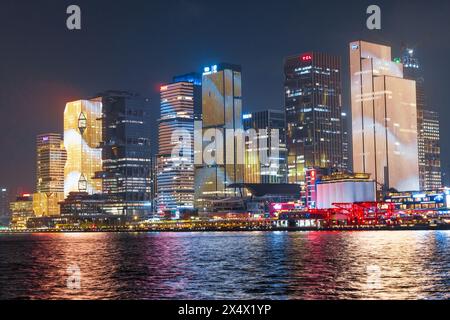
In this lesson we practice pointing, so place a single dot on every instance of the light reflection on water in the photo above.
(277, 265)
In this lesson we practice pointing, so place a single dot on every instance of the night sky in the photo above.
(138, 45)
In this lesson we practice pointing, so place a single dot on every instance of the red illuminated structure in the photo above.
(361, 213)
(306, 57)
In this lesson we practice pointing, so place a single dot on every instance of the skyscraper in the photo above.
(222, 111)
(384, 118)
(180, 103)
(4, 204)
(82, 139)
(50, 161)
(126, 152)
(276, 170)
(428, 130)
(313, 101)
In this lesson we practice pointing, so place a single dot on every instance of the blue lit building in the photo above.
(126, 153)
(180, 107)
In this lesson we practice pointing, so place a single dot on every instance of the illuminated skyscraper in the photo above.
(4, 204)
(384, 118)
(276, 170)
(82, 139)
(126, 152)
(313, 101)
(180, 102)
(222, 111)
(50, 161)
(427, 127)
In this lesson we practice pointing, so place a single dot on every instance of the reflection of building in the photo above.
(126, 152)
(427, 127)
(384, 118)
(22, 211)
(51, 159)
(221, 110)
(275, 170)
(180, 101)
(313, 101)
(345, 188)
(82, 138)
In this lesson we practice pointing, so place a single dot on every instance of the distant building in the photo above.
(221, 110)
(4, 205)
(313, 101)
(428, 130)
(22, 211)
(384, 118)
(82, 141)
(126, 152)
(275, 171)
(180, 105)
(50, 161)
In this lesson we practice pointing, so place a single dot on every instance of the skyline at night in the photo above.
(139, 48)
(226, 157)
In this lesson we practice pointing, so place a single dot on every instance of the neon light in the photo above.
(306, 57)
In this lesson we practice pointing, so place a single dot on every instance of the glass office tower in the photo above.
(50, 161)
(126, 153)
(313, 102)
(82, 141)
(4, 204)
(428, 128)
(180, 104)
(276, 170)
(384, 118)
(222, 111)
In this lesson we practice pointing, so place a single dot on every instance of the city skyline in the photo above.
(252, 97)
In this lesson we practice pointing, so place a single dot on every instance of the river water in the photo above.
(226, 265)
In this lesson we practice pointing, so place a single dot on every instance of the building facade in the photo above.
(384, 118)
(180, 103)
(126, 152)
(51, 158)
(82, 141)
(428, 129)
(313, 102)
(4, 204)
(222, 116)
(275, 170)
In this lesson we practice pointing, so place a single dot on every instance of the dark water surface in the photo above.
(261, 265)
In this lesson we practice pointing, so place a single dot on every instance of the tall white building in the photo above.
(384, 118)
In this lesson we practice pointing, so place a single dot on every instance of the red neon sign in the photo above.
(306, 57)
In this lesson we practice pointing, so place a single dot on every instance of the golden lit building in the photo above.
(51, 159)
(82, 138)
(21, 211)
(384, 118)
(222, 114)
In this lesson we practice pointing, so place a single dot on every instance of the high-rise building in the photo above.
(275, 170)
(180, 103)
(222, 114)
(82, 141)
(126, 152)
(428, 130)
(313, 101)
(21, 211)
(384, 118)
(50, 161)
(4, 203)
